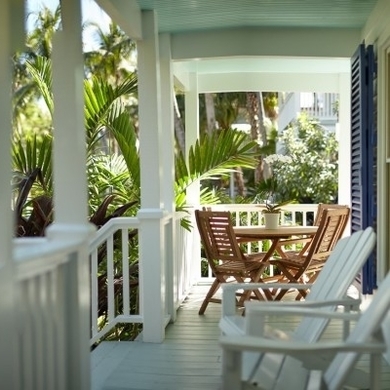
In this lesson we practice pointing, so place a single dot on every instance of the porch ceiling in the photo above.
(178, 16)
(222, 40)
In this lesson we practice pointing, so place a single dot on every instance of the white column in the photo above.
(192, 129)
(70, 178)
(383, 128)
(168, 167)
(193, 192)
(70, 181)
(151, 214)
(344, 195)
(8, 319)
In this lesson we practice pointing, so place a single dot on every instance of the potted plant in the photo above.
(267, 192)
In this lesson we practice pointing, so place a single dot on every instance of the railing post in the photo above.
(152, 274)
(77, 289)
(11, 27)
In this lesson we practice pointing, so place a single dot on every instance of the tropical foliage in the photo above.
(312, 176)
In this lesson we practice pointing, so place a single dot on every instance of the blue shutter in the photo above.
(363, 152)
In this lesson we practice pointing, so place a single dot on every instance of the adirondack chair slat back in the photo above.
(368, 325)
(344, 263)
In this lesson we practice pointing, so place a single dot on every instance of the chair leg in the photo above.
(213, 289)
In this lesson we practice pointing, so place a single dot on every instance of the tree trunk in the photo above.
(255, 108)
(239, 181)
(210, 112)
(178, 125)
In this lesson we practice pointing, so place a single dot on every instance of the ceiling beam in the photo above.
(125, 14)
(296, 42)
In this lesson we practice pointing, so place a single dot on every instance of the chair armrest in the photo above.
(261, 309)
(348, 302)
(229, 292)
(294, 348)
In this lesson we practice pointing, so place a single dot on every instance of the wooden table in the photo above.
(261, 233)
(258, 233)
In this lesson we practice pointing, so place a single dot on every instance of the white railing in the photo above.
(49, 313)
(113, 301)
(111, 294)
(51, 298)
(183, 262)
(322, 106)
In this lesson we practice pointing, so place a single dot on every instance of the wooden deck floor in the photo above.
(189, 358)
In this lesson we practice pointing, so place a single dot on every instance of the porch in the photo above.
(189, 357)
(175, 339)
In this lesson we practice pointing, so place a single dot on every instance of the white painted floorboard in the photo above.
(188, 359)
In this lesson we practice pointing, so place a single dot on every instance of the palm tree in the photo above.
(112, 59)
(39, 44)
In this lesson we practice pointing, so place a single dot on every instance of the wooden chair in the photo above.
(313, 365)
(303, 267)
(305, 242)
(225, 257)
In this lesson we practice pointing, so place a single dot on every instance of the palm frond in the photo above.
(218, 154)
(41, 72)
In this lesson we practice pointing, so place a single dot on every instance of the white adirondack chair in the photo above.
(328, 292)
(369, 336)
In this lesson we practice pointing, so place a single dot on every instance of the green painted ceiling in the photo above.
(192, 15)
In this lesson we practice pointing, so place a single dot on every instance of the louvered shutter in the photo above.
(363, 152)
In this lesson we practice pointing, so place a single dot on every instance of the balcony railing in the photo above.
(49, 284)
(49, 312)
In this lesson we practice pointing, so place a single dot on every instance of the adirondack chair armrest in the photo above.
(260, 344)
(295, 348)
(264, 309)
(229, 293)
(255, 316)
(352, 304)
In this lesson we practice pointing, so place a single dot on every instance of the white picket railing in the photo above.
(48, 273)
(183, 265)
(118, 278)
(49, 349)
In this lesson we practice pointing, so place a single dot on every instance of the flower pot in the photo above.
(271, 220)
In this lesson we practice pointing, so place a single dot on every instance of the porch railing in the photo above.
(48, 274)
(183, 266)
(111, 295)
(48, 306)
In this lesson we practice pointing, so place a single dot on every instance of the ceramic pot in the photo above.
(271, 220)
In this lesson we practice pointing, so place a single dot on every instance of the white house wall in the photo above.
(377, 33)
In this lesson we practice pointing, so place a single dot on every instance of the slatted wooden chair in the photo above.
(303, 267)
(305, 242)
(225, 256)
(314, 365)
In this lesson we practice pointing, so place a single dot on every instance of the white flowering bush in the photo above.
(312, 177)
(275, 158)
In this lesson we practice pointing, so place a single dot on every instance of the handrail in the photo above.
(111, 227)
(36, 258)
(47, 302)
